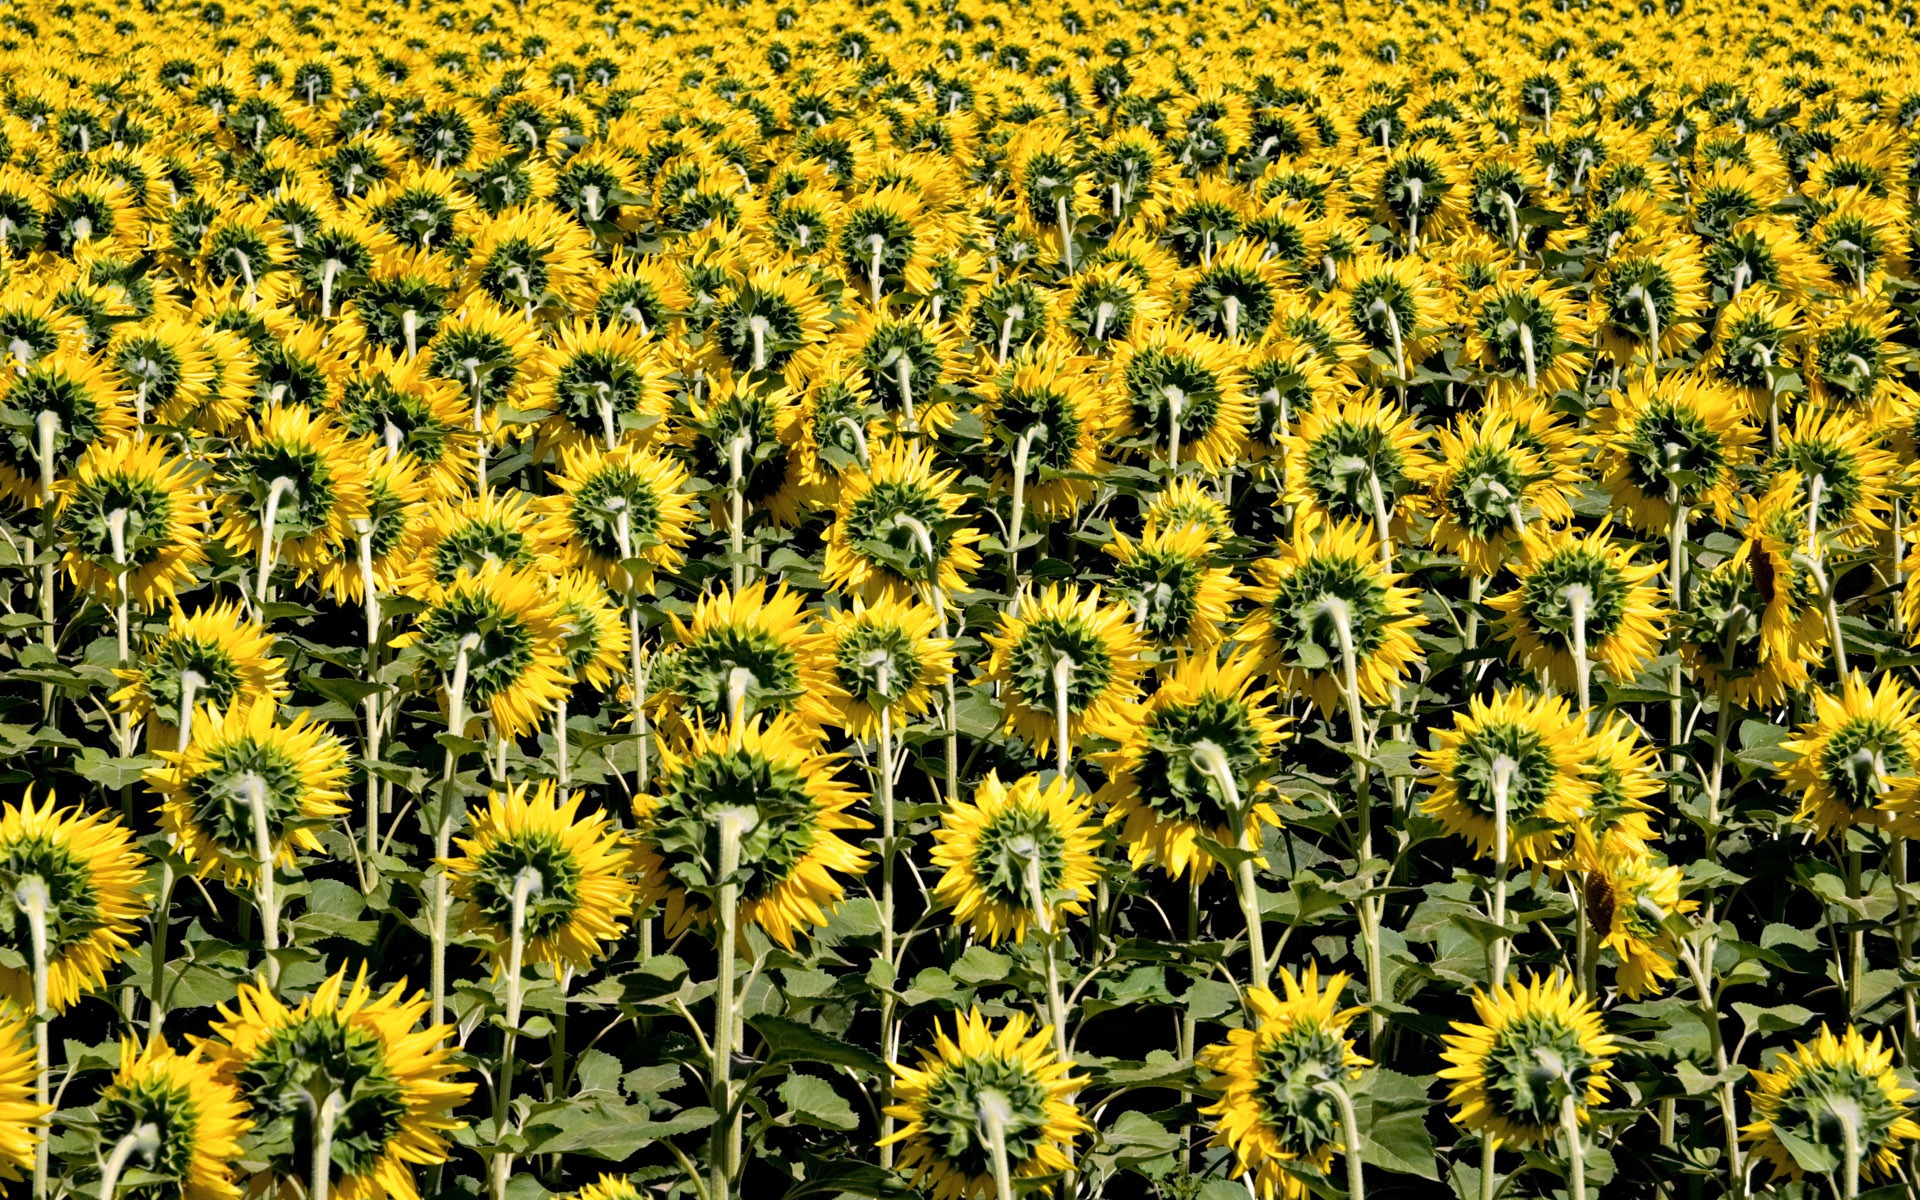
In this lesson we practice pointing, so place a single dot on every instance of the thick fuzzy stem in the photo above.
(1212, 760)
(1353, 1148)
(142, 1139)
(1176, 408)
(1062, 687)
(442, 897)
(737, 499)
(526, 884)
(994, 1112)
(1527, 354)
(1503, 769)
(1579, 598)
(1022, 451)
(757, 325)
(1064, 216)
(33, 900)
(326, 1117)
(733, 825)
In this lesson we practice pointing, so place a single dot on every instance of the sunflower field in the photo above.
(1179, 599)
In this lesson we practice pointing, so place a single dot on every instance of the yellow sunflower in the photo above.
(208, 791)
(90, 877)
(1184, 391)
(1327, 591)
(1519, 752)
(1810, 1093)
(596, 640)
(1560, 572)
(23, 1122)
(897, 528)
(567, 873)
(392, 1084)
(617, 506)
(1673, 439)
(1355, 461)
(500, 632)
(1163, 791)
(1020, 854)
(1629, 897)
(496, 530)
(66, 401)
(1858, 761)
(130, 516)
(304, 471)
(977, 1087)
(601, 384)
(196, 1118)
(791, 851)
(885, 657)
(1534, 1046)
(1050, 407)
(215, 654)
(1064, 644)
(1275, 1109)
(745, 653)
(1167, 579)
(1625, 773)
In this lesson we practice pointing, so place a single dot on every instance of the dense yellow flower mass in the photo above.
(731, 548)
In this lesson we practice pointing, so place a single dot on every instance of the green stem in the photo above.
(1354, 1148)
(31, 895)
(526, 884)
(1576, 1148)
(733, 824)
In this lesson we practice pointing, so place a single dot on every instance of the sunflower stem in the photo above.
(1062, 699)
(326, 1115)
(1526, 353)
(1064, 216)
(1676, 592)
(734, 823)
(1576, 1148)
(1503, 769)
(526, 884)
(46, 424)
(1176, 404)
(737, 499)
(903, 379)
(371, 705)
(1022, 450)
(1382, 519)
(269, 518)
(563, 770)
(1578, 597)
(266, 898)
(1342, 618)
(1353, 1148)
(884, 778)
(1212, 761)
(1029, 854)
(117, 532)
(31, 896)
(142, 1139)
(1710, 1016)
(443, 827)
(1856, 930)
(994, 1111)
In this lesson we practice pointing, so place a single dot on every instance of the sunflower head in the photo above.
(196, 1119)
(564, 873)
(1566, 576)
(499, 632)
(1275, 1078)
(1020, 854)
(780, 794)
(1801, 1106)
(1674, 441)
(1629, 898)
(746, 653)
(83, 873)
(620, 513)
(976, 1077)
(886, 658)
(1518, 757)
(1858, 761)
(898, 529)
(130, 521)
(1535, 1046)
(1064, 644)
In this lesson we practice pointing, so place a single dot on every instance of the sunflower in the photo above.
(304, 467)
(1394, 308)
(601, 384)
(505, 624)
(1063, 642)
(163, 363)
(608, 1187)
(1275, 1109)
(408, 409)
(1624, 620)
(23, 1122)
(615, 507)
(759, 424)
(972, 1080)
(70, 403)
(1288, 381)
(1625, 773)
(197, 1118)
(1629, 897)
(1677, 438)
(1529, 747)
(1050, 407)
(1020, 854)
(208, 790)
(1300, 599)
(1163, 798)
(1528, 333)
(904, 362)
(1846, 460)
(396, 491)
(1855, 363)
(90, 875)
(130, 520)
(747, 653)
(494, 358)
(1168, 581)
(1176, 385)
(492, 531)
(1858, 761)
(596, 640)
(878, 239)
(1187, 502)
(530, 258)
(793, 811)
(231, 659)
(1480, 486)
(1354, 461)
(577, 896)
(394, 1085)
(1754, 344)
(773, 320)
(885, 656)
(1649, 297)
(1817, 1088)
(1535, 1045)
(897, 528)
(1751, 621)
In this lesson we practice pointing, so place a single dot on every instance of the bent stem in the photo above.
(1022, 449)
(1212, 761)
(326, 1116)
(442, 897)
(526, 884)
(1336, 609)
(1025, 849)
(1497, 953)
(269, 517)
(1355, 1150)
(993, 1112)
(1578, 598)
(142, 1139)
(1062, 681)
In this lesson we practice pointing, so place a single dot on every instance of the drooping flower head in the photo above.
(898, 529)
(1562, 572)
(1858, 761)
(197, 1118)
(1535, 1045)
(504, 625)
(1169, 582)
(885, 657)
(1519, 752)
(1020, 855)
(745, 653)
(1810, 1092)
(129, 516)
(1062, 633)
(615, 507)
(88, 877)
